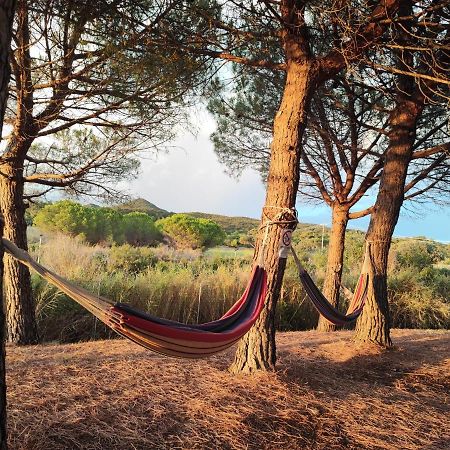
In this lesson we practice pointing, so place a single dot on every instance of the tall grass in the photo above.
(192, 287)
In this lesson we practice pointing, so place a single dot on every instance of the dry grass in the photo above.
(327, 394)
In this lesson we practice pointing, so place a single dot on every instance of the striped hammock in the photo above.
(324, 307)
(163, 336)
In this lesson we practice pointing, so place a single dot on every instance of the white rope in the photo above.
(277, 220)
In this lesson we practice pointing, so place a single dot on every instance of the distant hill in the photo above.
(229, 224)
(142, 205)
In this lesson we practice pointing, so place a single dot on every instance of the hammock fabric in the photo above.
(324, 307)
(163, 336)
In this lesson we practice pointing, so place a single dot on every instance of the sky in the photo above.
(189, 177)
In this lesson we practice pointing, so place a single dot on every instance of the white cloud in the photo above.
(190, 178)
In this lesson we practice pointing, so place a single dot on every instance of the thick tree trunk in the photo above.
(257, 349)
(20, 308)
(6, 20)
(20, 311)
(3, 429)
(373, 324)
(333, 275)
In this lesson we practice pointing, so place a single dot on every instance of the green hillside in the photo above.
(142, 205)
(229, 224)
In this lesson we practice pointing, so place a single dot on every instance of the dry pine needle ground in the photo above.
(327, 394)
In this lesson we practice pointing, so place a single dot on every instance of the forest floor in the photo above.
(327, 393)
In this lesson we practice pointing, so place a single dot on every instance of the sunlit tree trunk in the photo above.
(257, 349)
(373, 325)
(20, 307)
(335, 260)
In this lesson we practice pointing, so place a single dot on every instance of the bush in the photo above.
(418, 298)
(130, 259)
(417, 254)
(92, 224)
(95, 224)
(139, 229)
(190, 232)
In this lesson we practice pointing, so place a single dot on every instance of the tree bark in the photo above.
(7, 8)
(3, 428)
(20, 307)
(333, 275)
(257, 350)
(373, 324)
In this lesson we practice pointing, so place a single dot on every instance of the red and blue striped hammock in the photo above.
(161, 335)
(324, 307)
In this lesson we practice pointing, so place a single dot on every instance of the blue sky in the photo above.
(190, 178)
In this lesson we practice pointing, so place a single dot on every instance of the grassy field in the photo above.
(327, 394)
(194, 286)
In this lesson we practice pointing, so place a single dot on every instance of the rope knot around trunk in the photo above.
(283, 216)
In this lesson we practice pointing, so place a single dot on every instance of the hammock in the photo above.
(163, 336)
(324, 307)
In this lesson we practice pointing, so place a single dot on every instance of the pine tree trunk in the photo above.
(333, 275)
(6, 20)
(20, 308)
(3, 429)
(257, 350)
(373, 324)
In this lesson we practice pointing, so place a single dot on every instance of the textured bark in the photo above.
(332, 282)
(20, 308)
(3, 429)
(6, 20)
(257, 349)
(373, 324)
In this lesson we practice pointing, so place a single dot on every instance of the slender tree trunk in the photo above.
(331, 285)
(373, 325)
(20, 308)
(6, 20)
(257, 349)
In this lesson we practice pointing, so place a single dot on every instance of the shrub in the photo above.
(96, 224)
(130, 259)
(93, 224)
(139, 229)
(417, 254)
(190, 232)
(187, 286)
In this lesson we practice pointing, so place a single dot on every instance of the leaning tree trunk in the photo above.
(20, 308)
(333, 275)
(257, 349)
(373, 324)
